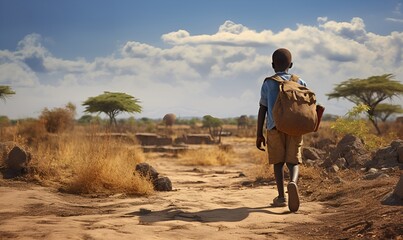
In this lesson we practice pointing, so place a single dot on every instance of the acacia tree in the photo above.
(370, 91)
(112, 104)
(5, 91)
(383, 111)
(213, 124)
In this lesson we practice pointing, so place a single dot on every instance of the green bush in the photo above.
(352, 123)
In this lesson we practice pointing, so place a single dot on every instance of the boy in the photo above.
(282, 148)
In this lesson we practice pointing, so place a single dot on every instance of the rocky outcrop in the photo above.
(350, 152)
(388, 157)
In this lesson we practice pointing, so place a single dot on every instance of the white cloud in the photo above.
(229, 33)
(17, 75)
(397, 20)
(218, 74)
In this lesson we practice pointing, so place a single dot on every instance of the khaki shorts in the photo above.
(283, 147)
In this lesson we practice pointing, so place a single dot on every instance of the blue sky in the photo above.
(189, 57)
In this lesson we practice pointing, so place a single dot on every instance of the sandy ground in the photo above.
(207, 203)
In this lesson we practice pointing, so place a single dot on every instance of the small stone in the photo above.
(334, 168)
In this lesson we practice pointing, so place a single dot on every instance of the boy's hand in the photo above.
(259, 141)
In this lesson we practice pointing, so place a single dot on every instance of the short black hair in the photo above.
(281, 59)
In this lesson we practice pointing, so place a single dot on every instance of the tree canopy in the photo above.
(112, 104)
(5, 91)
(383, 110)
(370, 91)
(214, 125)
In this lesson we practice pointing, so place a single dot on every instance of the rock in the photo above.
(372, 176)
(352, 149)
(310, 153)
(325, 145)
(372, 170)
(341, 163)
(399, 188)
(310, 163)
(15, 160)
(400, 154)
(338, 180)
(387, 157)
(334, 168)
(162, 184)
(392, 199)
(146, 170)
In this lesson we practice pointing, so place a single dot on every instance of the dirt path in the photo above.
(208, 203)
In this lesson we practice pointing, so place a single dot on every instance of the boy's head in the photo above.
(281, 60)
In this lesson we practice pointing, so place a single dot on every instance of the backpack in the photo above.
(294, 111)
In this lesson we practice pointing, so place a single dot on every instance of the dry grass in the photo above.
(90, 164)
(261, 169)
(206, 156)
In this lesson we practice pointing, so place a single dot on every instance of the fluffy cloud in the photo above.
(218, 74)
(229, 33)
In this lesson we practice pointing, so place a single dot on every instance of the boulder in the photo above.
(162, 184)
(146, 170)
(159, 183)
(352, 149)
(14, 160)
(387, 157)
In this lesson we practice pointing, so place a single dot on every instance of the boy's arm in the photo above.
(260, 122)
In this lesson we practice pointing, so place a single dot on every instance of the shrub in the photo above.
(58, 119)
(31, 130)
(351, 123)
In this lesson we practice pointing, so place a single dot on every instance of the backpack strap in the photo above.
(294, 78)
(277, 78)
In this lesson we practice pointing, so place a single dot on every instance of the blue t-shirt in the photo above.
(268, 96)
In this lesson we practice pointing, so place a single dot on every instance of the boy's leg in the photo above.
(294, 172)
(279, 175)
(276, 148)
(292, 188)
(279, 201)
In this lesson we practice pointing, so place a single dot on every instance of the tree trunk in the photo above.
(372, 118)
(375, 125)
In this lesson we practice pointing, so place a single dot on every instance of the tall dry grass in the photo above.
(260, 167)
(206, 156)
(86, 163)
